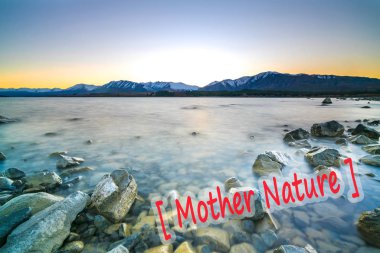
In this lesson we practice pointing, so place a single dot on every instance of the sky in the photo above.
(59, 43)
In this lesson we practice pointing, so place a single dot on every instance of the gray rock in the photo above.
(36, 201)
(289, 249)
(361, 139)
(119, 249)
(295, 135)
(5, 120)
(6, 184)
(367, 131)
(45, 231)
(327, 101)
(243, 248)
(2, 157)
(264, 165)
(72, 247)
(13, 173)
(216, 238)
(57, 154)
(342, 142)
(323, 156)
(101, 223)
(369, 226)
(279, 157)
(11, 221)
(372, 149)
(258, 243)
(373, 160)
(47, 179)
(327, 129)
(269, 237)
(64, 161)
(114, 195)
(232, 182)
(69, 172)
(300, 144)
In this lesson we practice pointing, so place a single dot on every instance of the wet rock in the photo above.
(269, 237)
(373, 160)
(258, 243)
(289, 249)
(185, 247)
(323, 156)
(232, 182)
(2, 157)
(36, 201)
(88, 142)
(6, 184)
(119, 249)
(300, 144)
(295, 135)
(69, 172)
(367, 131)
(243, 248)
(327, 129)
(57, 154)
(64, 161)
(240, 237)
(5, 197)
(11, 221)
(51, 134)
(342, 142)
(372, 149)
(361, 139)
(5, 120)
(301, 218)
(47, 179)
(34, 189)
(101, 223)
(264, 165)
(374, 123)
(46, 230)
(280, 157)
(161, 249)
(72, 247)
(13, 173)
(114, 195)
(327, 101)
(366, 107)
(72, 237)
(248, 226)
(216, 238)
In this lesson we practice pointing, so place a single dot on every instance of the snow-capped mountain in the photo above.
(82, 87)
(124, 85)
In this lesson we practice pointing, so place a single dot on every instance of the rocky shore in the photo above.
(114, 217)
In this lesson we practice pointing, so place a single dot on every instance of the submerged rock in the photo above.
(327, 101)
(45, 231)
(264, 165)
(119, 249)
(114, 195)
(47, 179)
(57, 154)
(11, 221)
(218, 239)
(67, 161)
(2, 157)
(369, 226)
(13, 173)
(323, 156)
(6, 184)
(327, 129)
(71, 171)
(295, 135)
(367, 131)
(5, 120)
(373, 160)
(342, 142)
(300, 144)
(372, 149)
(36, 201)
(290, 249)
(361, 139)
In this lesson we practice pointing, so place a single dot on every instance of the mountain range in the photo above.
(266, 81)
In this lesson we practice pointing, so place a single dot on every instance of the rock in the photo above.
(300, 144)
(57, 154)
(46, 230)
(119, 249)
(327, 129)
(269, 237)
(373, 160)
(101, 223)
(248, 226)
(264, 165)
(69, 172)
(367, 131)
(185, 247)
(36, 201)
(374, 123)
(216, 238)
(366, 107)
(342, 142)
(301, 218)
(258, 243)
(6, 184)
(327, 101)
(361, 139)
(239, 237)
(2, 157)
(279, 157)
(73, 237)
(72, 247)
(114, 195)
(372, 149)
(231, 182)
(295, 135)
(51, 134)
(289, 249)
(64, 161)
(4, 198)
(47, 179)
(243, 248)
(323, 156)
(5, 120)
(161, 249)
(11, 221)
(34, 189)
(13, 173)
(146, 220)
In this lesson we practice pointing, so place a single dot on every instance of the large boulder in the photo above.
(46, 231)
(114, 195)
(295, 135)
(372, 149)
(64, 161)
(323, 156)
(327, 129)
(48, 179)
(217, 238)
(367, 131)
(373, 160)
(361, 140)
(11, 221)
(36, 201)
(369, 226)
(264, 164)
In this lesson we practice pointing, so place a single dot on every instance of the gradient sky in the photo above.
(58, 43)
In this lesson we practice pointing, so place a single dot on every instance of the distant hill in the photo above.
(271, 83)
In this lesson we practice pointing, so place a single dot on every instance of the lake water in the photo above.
(153, 138)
